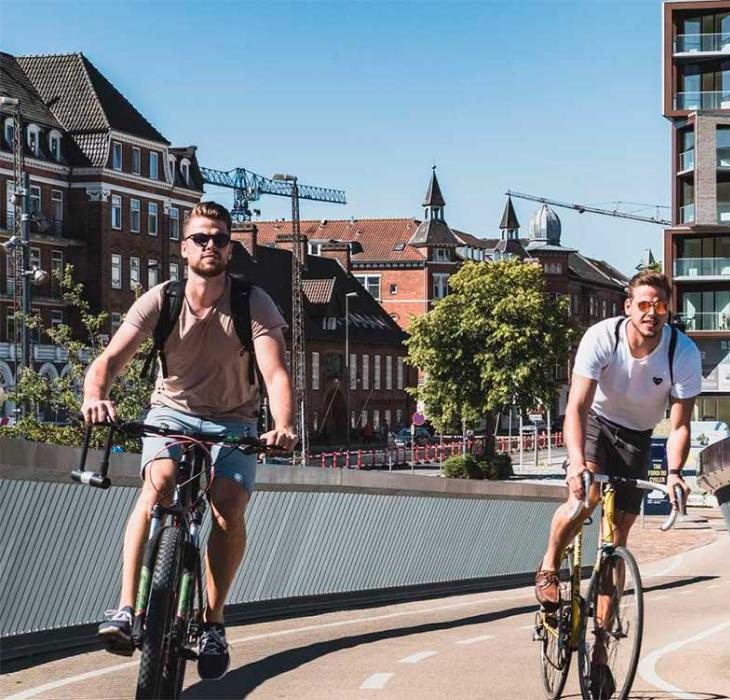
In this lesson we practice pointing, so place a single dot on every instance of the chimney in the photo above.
(245, 232)
(339, 251)
(285, 241)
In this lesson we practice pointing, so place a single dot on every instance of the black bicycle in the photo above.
(167, 622)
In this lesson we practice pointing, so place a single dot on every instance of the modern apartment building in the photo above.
(696, 96)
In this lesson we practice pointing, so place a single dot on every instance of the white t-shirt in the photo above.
(634, 392)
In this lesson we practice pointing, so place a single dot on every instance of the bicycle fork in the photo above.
(145, 575)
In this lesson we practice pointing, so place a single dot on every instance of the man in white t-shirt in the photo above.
(625, 372)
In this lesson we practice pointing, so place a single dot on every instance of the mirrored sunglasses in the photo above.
(660, 307)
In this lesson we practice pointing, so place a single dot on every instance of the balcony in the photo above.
(701, 43)
(42, 352)
(702, 268)
(38, 226)
(687, 161)
(723, 213)
(698, 101)
(687, 214)
(707, 321)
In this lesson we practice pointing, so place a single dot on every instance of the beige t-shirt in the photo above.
(207, 375)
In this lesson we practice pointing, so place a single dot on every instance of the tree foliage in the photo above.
(494, 340)
(62, 396)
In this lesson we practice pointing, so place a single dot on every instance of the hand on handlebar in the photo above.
(675, 481)
(574, 480)
(98, 411)
(283, 438)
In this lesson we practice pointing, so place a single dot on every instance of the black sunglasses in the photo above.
(220, 240)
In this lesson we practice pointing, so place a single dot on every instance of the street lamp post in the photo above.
(347, 365)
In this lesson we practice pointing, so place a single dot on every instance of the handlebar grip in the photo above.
(91, 479)
(681, 504)
(680, 509)
(587, 481)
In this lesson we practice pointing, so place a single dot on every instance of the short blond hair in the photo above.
(212, 210)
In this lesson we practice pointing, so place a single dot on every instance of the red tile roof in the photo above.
(318, 291)
(378, 237)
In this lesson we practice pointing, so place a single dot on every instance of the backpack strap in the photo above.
(241, 312)
(672, 350)
(172, 302)
(617, 333)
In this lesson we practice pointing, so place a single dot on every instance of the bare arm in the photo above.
(100, 376)
(580, 399)
(270, 355)
(678, 443)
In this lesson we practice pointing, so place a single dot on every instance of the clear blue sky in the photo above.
(560, 99)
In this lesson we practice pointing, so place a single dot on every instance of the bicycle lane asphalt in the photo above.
(462, 646)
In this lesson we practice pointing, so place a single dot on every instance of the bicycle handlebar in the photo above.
(589, 478)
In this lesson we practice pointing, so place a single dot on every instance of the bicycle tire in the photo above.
(156, 678)
(619, 574)
(555, 651)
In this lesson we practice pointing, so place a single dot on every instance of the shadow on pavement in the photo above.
(241, 681)
(678, 583)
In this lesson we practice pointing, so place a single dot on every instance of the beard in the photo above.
(209, 267)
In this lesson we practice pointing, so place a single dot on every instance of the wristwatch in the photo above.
(678, 472)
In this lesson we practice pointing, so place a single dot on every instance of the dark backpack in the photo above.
(172, 302)
(672, 345)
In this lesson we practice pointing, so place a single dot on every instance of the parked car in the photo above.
(403, 437)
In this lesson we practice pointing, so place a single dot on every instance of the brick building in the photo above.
(108, 194)
(696, 95)
(378, 373)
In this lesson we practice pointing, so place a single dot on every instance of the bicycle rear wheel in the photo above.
(553, 631)
(159, 665)
(612, 628)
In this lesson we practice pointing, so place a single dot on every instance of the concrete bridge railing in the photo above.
(318, 539)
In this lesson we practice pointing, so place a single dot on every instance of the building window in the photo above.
(35, 258)
(441, 255)
(376, 419)
(174, 224)
(154, 165)
(371, 283)
(315, 371)
(116, 211)
(171, 166)
(614, 306)
(353, 371)
(116, 271)
(604, 308)
(174, 271)
(116, 156)
(10, 325)
(57, 210)
(116, 321)
(35, 199)
(399, 417)
(185, 170)
(366, 372)
(54, 143)
(593, 306)
(399, 376)
(313, 248)
(56, 267)
(136, 161)
(56, 318)
(376, 372)
(33, 138)
(440, 285)
(388, 372)
(9, 131)
(394, 289)
(152, 273)
(134, 279)
(152, 219)
(134, 215)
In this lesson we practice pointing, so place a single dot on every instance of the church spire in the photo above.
(434, 202)
(509, 224)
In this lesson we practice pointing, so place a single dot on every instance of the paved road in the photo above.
(474, 646)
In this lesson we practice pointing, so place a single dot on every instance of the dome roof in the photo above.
(545, 225)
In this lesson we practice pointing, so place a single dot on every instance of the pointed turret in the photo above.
(434, 231)
(433, 199)
(510, 225)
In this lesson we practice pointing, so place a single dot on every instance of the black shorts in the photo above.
(619, 451)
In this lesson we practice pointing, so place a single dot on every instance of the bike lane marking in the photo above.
(647, 666)
(377, 681)
(474, 640)
(415, 658)
(673, 564)
(37, 690)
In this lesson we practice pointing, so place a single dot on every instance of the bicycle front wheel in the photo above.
(553, 631)
(612, 627)
(158, 668)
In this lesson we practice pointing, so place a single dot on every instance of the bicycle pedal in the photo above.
(538, 634)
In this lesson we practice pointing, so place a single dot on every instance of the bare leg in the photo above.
(226, 544)
(159, 480)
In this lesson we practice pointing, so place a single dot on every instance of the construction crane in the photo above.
(582, 208)
(249, 187)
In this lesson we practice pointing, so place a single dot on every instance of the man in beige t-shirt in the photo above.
(206, 388)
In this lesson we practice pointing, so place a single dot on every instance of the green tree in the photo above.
(497, 337)
(62, 396)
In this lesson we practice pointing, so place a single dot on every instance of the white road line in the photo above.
(527, 627)
(647, 666)
(474, 640)
(33, 692)
(671, 566)
(415, 658)
(714, 585)
(377, 681)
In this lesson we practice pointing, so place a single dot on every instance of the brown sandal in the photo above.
(547, 589)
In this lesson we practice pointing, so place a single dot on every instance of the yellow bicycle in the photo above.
(606, 626)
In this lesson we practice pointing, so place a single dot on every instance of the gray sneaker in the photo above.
(116, 631)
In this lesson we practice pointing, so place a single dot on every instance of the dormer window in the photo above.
(154, 165)
(171, 165)
(9, 131)
(116, 155)
(441, 255)
(54, 144)
(185, 170)
(33, 138)
(136, 161)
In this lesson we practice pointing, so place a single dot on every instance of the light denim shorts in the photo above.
(228, 462)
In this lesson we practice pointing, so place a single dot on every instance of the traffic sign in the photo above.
(418, 419)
